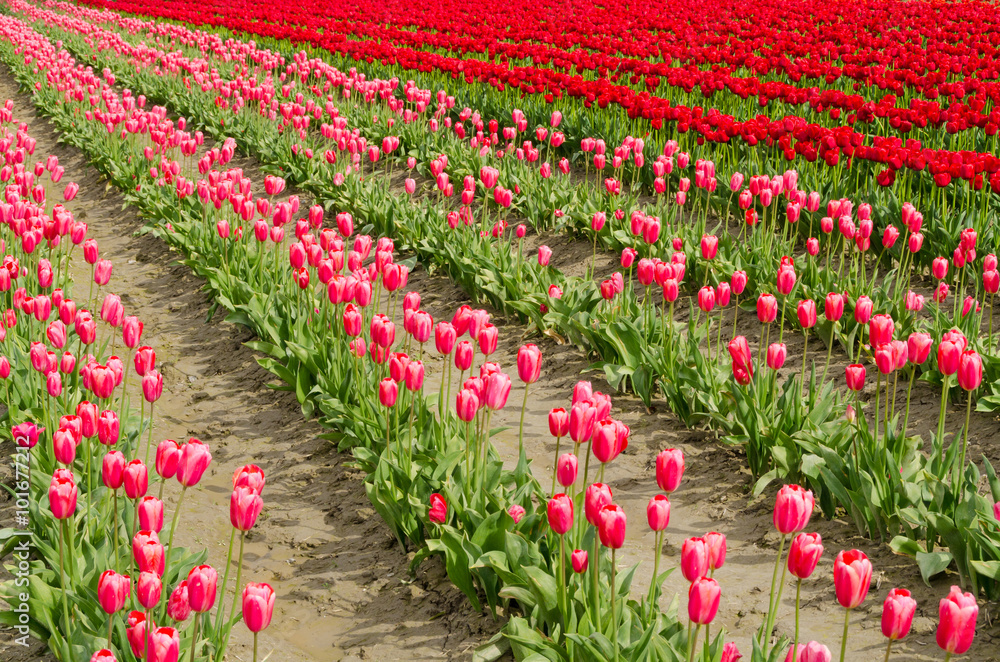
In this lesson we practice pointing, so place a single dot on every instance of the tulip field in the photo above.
(560, 332)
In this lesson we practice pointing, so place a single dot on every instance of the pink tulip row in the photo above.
(41, 307)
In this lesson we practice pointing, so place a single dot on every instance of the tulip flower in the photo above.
(103, 655)
(897, 616)
(970, 376)
(529, 369)
(669, 469)
(803, 555)
(852, 575)
(178, 606)
(164, 645)
(792, 509)
(579, 561)
(566, 469)
(810, 652)
(438, 512)
(658, 517)
(258, 606)
(957, 624)
(694, 559)
(516, 512)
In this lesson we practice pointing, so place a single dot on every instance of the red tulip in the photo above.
(880, 329)
(897, 613)
(807, 313)
(258, 606)
(948, 357)
(388, 391)
(776, 354)
(703, 600)
(730, 653)
(792, 509)
(706, 298)
(833, 306)
(136, 479)
(579, 560)
(560, 512)
(439, 509)
(136, 629)
(516, 512)
(103, 655)
(558, 422)
(709, 246)
(863, 309)
(957, 627)
(168, 455)
(852, 574)
(919, 347)
(113, 470)
(148, 552)
(855, 374)
(811, 652)
(804, 554)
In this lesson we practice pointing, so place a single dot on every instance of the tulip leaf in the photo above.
(932, 563)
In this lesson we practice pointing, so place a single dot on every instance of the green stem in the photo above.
(65, 585)
(888, 649)
(843, 642)
(771, 607)
(614, 614)
(173, 528)
(795, 644)
(555, 466)
(194, 636)
(960, 479)
(692, 642)
(225, 579)
(941, 416)
(520, 429)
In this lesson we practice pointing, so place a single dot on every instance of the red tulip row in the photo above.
(796, 137)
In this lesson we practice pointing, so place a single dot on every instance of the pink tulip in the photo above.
(658, 512)
(112, 591)
(804, 554)
(194, 460)
(669, 469)
(579, 561)
(703, 600)
(792, 509)
(178, 607)
(258, 606)
(957, 627)
(897, 614)
(611, 526)
(560, 513)
(694, 558)
(852, 574)
(202, 582)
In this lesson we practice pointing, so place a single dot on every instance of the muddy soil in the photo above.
(343, 588)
